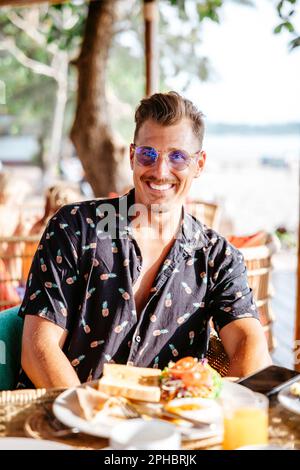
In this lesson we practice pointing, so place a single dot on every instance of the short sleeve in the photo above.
(52, 285)
(230, 297)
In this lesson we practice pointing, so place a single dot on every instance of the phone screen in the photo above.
(269, 380)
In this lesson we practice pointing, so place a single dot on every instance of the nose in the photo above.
(161, 168)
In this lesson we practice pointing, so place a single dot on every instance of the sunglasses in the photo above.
(177, 159)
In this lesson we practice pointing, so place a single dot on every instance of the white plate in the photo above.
(24, 443)
(289, 401)
(101, 426)
(262, 447)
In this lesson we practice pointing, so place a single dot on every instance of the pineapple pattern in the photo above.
(105, 310)
(83, 282)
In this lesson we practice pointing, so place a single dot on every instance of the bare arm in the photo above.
(245, 343)
(42, 357)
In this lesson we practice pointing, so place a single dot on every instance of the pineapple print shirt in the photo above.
(82, 279)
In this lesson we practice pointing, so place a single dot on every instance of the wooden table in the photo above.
(22, 413)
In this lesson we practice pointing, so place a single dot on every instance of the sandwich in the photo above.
(135, 383)
(190, 377)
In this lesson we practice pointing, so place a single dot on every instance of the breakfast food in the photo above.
(201, 409)
(190, 377)
(295, 389)
(92, 403)
(136, 383)
(182, 387)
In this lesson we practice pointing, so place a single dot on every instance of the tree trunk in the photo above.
(151, 46)
(54, 154)
(91, 132)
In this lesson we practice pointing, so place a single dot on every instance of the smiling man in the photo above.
(143, 290)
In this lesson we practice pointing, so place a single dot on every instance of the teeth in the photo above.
(161, 187)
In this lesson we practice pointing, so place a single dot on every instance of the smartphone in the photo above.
(270, 380)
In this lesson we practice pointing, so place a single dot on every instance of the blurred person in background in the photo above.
(12, 194)
(56, 196)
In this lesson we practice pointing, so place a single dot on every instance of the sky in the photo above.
(256, 78)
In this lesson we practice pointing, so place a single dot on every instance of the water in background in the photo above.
(18, 148)
(253, 196)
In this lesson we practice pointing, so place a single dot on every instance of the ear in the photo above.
(131, 154)
(200, 163)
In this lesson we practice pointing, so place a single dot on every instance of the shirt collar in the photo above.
(191, 234)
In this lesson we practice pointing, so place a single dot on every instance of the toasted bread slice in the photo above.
(138, 383)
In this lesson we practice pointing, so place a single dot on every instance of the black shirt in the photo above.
(82, 280)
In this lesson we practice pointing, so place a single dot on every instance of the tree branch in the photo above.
(31, 32)
(37, 67)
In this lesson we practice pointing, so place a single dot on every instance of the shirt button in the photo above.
(139, 268)
(138, 339)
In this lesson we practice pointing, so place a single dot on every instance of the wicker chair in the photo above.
(216, 355)
(258, 261)
(207, 212)
(16, 255)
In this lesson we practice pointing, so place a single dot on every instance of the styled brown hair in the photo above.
(167, 109)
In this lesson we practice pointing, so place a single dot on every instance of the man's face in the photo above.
(177, 183)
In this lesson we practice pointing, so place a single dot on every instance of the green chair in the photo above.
(11, 327)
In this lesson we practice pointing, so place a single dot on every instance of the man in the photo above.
(143, 290)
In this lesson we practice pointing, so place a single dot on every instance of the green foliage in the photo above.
(178, 54)
(180, 4)
(287, 10)
(295, 43)
(30, 97)
(68, 18)
(287, 25)
(207, 9)
(287, 238)
(180, 41)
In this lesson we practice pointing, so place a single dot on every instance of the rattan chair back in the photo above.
(16, 255)
(207, 212)
(258, 261)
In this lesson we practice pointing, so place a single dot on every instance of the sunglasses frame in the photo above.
(189, 161)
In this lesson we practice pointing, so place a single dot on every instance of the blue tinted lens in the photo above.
(179, 159)
(146, 155)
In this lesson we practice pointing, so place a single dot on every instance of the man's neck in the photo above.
(160, 227)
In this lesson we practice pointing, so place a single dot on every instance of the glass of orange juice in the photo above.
(245, 421)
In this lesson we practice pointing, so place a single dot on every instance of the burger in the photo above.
(190, 377)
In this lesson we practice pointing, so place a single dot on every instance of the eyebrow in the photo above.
(169, 149)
